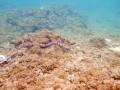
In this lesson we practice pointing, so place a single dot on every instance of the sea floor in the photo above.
(92, 61)
(88, 65)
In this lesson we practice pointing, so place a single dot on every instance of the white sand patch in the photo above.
(108, 40)
(116, 50)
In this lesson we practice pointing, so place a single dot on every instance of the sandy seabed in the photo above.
(89, 65)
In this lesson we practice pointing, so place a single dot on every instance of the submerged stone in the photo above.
(2, 58)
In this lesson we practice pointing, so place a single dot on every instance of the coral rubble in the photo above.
(83, 67)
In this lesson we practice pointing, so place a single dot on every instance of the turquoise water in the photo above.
(99, 15)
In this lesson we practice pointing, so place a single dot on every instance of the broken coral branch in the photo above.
(37, 44)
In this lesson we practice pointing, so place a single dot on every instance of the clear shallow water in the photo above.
(100, 15)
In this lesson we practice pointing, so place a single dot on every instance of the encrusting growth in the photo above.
(37, 44)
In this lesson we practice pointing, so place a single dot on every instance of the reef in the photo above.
(29, 41)
(16, 22)
(45, 17)
(27, 45)
(43, 63)
(68, 56)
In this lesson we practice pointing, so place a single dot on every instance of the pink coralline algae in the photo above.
(46, 45)
(27, 45)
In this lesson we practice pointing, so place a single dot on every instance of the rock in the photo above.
(2, 58)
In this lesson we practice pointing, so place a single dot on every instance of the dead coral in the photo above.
(55, 68)
(43, 36)
(28, 42)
